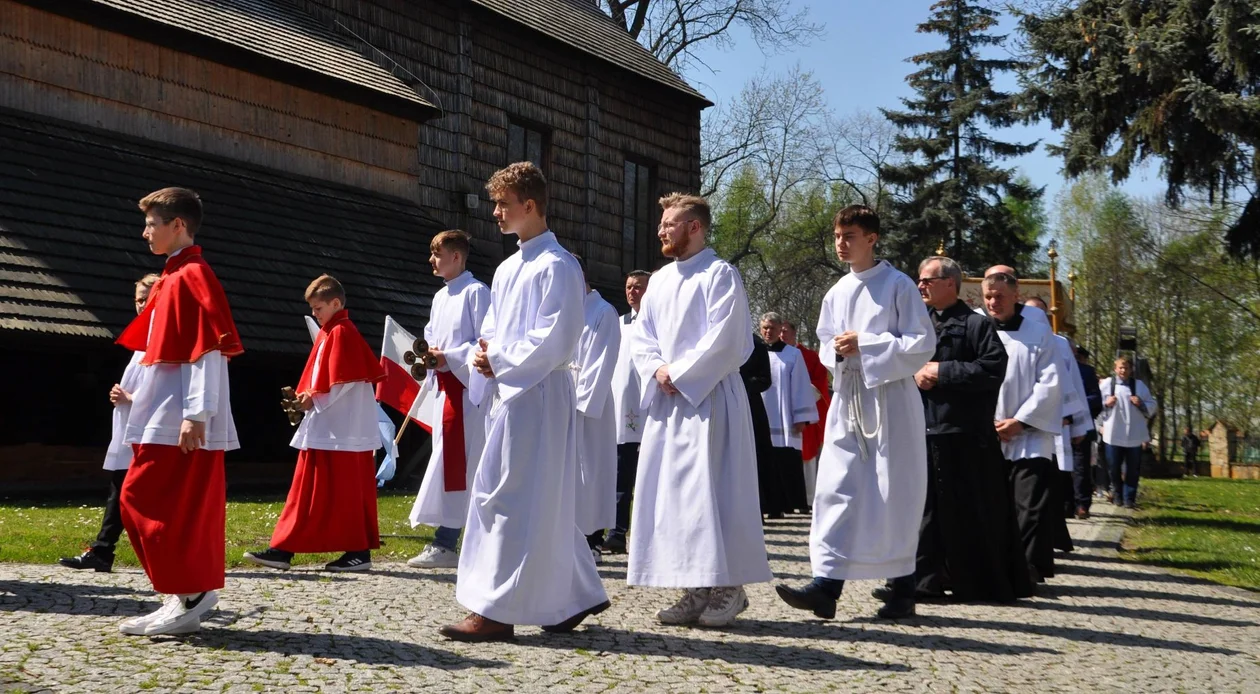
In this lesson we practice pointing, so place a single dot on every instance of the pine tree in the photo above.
(1178, 80)
(953, 190)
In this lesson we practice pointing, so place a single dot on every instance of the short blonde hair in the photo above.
(175, 203)
(522, 179)
(148, 280)
(693, 205)
(326, 288)
(452, 240)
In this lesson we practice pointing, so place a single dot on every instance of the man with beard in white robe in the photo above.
(696, 517)
(524, 561)
(454, 325)
(597, 354)
(1029, 414)
(875, 335)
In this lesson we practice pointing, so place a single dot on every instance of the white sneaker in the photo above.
(599, 558)
(180, 617)
(434, 557)
(135, 626)
(688, 608)
(724, 605)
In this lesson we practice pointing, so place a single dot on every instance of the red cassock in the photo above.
(332, 502)
(812, 437)
(173, 504)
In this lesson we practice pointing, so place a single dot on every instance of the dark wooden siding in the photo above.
(62, 68)
(486, 73)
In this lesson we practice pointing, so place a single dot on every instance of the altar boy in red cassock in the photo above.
(332, 503)
(173, 501)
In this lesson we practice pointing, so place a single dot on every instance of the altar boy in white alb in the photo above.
(697, 523)
(524, 561)
(593, 364)
(454, 325)
(875, 334)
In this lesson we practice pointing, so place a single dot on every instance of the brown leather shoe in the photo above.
(572, 622)
(477, 629)
(1082, 514)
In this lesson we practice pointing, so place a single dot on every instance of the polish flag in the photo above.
(399, 390)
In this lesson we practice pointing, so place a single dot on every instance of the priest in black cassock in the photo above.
(968, 540)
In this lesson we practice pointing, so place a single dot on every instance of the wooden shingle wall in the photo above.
(58, 67)
(486, 72)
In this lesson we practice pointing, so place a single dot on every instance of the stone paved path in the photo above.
(1102, 625)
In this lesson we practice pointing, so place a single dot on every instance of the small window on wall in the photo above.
(525, 143)
(639, 217)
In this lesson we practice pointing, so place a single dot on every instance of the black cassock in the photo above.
(968, 542)
(756, 376)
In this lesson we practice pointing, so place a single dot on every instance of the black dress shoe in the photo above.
(572, 622)
(809, 597)
(897, 608)
(88, 560)
(613, 544)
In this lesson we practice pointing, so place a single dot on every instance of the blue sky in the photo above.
(863, 53)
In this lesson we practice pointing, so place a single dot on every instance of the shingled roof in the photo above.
(70, 244)
(274, 38)
(582, 25)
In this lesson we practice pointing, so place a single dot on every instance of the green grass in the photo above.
(1204, 527)
(41, 532)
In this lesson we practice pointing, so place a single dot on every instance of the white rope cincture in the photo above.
(853, 387)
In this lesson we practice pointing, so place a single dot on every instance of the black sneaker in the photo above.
(350, 561)
(88, 560)
(270, 558)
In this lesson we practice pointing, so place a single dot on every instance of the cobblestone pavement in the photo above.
(1101, 625)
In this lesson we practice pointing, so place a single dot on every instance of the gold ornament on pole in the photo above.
(1052, 252)
(1072, 285)
(940, 248)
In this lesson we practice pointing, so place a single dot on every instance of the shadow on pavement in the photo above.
(359, 649)
(754, 653)
(1070, 633)
(1052, 591)
(819, 630)
(1137, 613)
(74, 598)
(445, 576)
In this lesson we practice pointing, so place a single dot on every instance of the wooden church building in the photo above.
(323, 136)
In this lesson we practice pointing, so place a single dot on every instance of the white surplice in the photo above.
(170, 393)
(454, 325)
(1075, 406)
(523, 559)
(1032, 390)
(697, 518)
(343, 419)
(790, 398)
(118, 455)
(872, 469)
(1124, 425)
(596, 357)
(627, 400)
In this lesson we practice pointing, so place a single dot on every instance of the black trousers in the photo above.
(969, 538)
(1033, 483)
(1083, 473)
(111, 524)
(627, 469)
(781, 480)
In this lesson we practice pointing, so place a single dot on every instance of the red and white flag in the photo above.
(399, 390)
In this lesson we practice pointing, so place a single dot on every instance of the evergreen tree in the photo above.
(1175, 79)
(956, 195)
